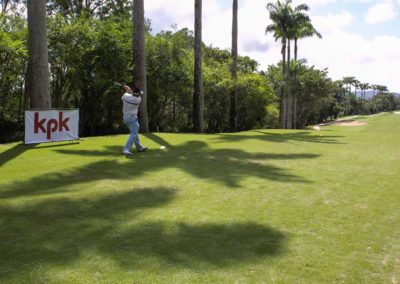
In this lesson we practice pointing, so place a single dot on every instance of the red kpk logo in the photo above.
(52, 124)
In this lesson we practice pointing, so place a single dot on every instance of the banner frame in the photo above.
(46, 109)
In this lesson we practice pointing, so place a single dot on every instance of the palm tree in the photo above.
(198, 98)
(367, 87)
(374, 88)
(304, 31)
(37, 76)
(340, 90)
(286, 25)
(361, 86)
(279, 13)
(382, 88)
(364, 87)
(348, 81)
(234, 115)
(139, 59)
(297, 20)
(356, 83)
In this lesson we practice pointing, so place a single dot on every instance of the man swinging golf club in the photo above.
(131, 100)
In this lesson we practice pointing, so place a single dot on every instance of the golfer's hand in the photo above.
(127, 89)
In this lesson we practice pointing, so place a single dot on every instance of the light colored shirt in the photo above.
(130, 104)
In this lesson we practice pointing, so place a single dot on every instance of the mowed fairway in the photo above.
(268, 206)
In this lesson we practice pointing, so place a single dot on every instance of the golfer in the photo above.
(131, 100)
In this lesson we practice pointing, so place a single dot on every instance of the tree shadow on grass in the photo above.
(191, 244)
(292, 136)
(12, 153)
(19, 149)
(59, 231)
(225, 166)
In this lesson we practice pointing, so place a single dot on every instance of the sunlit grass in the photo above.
(295, 206)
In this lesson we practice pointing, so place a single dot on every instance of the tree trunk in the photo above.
(198, 99)
(234, 114)
(294, 111)
(295, 126)
(174, 111)
(289, 118)
(37, 74)
(282, 109)
(139, 60)
(21, 104)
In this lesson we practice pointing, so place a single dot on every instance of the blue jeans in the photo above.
(132, 122)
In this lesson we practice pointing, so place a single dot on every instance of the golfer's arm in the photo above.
(132, 100)
(138, 95)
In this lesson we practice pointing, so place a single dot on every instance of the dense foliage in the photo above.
(91, 47)
(87, 54)
(13, 59)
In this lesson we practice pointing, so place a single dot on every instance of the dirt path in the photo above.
(348, 121)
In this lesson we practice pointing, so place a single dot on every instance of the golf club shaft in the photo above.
(118, 84)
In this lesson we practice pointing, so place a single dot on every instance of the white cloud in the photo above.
(313, 3)
(381, 12)
(347, 54)
(163, 16)
(332, 22)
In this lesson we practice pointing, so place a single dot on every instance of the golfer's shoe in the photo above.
(143, 149)
(126, 152)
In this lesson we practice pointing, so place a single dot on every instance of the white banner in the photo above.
(51, 125)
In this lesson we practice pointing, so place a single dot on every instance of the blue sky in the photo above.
(361, 38)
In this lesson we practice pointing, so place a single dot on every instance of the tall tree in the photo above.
(305, 30)
(198, 97)
(382, 88)
(233, 113)
(364, 87)
(279, 13)
(356, 84)
(374, 88)
(287, 24)
(297, 18)
(37, 75)
(347, 81)
(139, 60)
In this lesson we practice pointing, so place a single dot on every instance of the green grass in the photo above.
(268, 206)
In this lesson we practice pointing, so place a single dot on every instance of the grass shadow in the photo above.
(12, 153)
(225, 166)
(59, 231)
(157, 139)
(293, 136)
(19, 149)
(187, 245)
